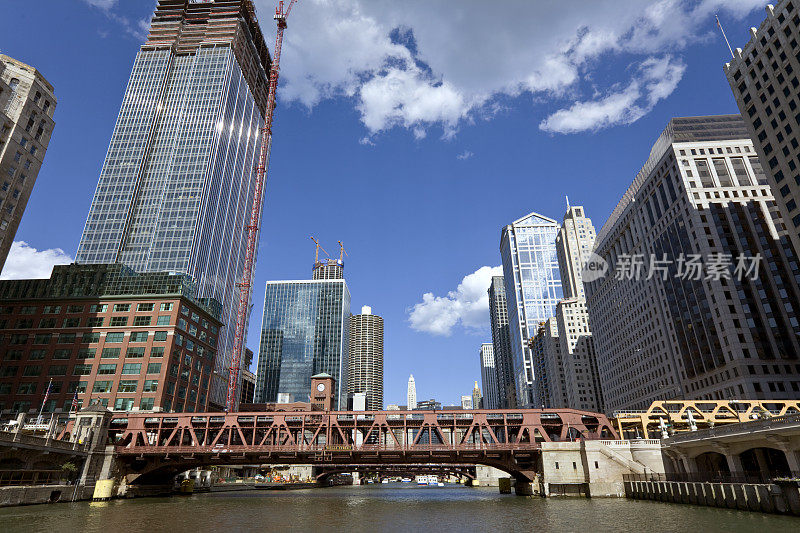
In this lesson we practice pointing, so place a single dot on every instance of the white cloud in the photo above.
(26, 262)
(417, 64)
(655, 80)
(466, 154)
(468, 305)
(102, 4)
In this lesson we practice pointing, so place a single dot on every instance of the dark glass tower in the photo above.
(501, 343)
(304, 332)
(177, 183)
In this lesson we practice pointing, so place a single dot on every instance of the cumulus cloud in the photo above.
(466, 154)
(26, 262)
(136, 29)
(467, 305)
(418, 64)
(655, 80)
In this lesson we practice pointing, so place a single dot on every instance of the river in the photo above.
(391, 507)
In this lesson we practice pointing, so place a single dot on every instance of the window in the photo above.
(184, 310)
(132, 368)
(157, 351)
(195, 317)
(81, 370)
(171, 387)
(32, 370)
(47, 323)
(21, 338)
(147, 404)
(13, 355)
(8, 371)
(160, 336)
(178, 339)
(67, 338)
(36, 355)
(139, 336)
(154, 368)
(123, 404)
(166, 307)
(87, 353)
(111, 353)
(141, 321)
(127, 385)
(102, 386)
(95, 322)
(62, 353)
(5, 388)
(150, 385)
(115, 337)
(145, 307)
(98, 308)
(75, 309)
(192, 330)
(52, 309)
(27, 388)
(182, 324)
(79, 386)
(42, 338)
(163, 320)
(57, 370)
(90, 338)
(122, 308)
(72, 322)
(119, 321)
(107, 369)
(28, 310)
(135, 352)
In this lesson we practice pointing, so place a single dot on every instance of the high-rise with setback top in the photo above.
(177, 185)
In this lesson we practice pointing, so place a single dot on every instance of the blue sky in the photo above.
(413, 135)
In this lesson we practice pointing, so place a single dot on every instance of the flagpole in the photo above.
(46, 395)
(725, 36)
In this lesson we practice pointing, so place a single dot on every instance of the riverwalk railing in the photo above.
(713, 477)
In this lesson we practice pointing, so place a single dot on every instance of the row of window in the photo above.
(92, 322)
(86, 338)
(79, 369)
(94, 308)
(84, 353)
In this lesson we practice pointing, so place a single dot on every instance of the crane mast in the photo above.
(245, 285)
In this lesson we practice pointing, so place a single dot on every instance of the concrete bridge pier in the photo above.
(527, 484)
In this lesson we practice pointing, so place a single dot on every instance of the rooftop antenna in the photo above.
(725, 36)
(567, 197)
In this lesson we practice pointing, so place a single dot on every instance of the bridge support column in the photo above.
(523, 488)
(91, 427)
(792, 459)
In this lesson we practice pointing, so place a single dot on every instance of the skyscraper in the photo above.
(501, 344)
(764, 81)
(27, 104)
(304, 332)
(177, 183)
(548, 364)
(489, 376)
(576, 345)
(533, 288)
(366, 357)
(477, 397)
(688, 332)
(411, 395)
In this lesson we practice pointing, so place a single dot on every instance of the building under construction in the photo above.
(183, 172)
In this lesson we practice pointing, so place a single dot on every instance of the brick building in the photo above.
(128, 341)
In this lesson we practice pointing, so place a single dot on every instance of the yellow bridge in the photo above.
(687, 415)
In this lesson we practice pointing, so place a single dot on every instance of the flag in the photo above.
(47, 393)
(74, 402)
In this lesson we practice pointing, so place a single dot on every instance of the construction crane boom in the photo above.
(316, 254)
(245, 285)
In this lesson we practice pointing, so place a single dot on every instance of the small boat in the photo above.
(440, 484)
(405, 480)
(384, 481)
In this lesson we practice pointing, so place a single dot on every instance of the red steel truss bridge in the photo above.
(156, 446)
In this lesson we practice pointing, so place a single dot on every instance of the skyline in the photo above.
(439, 168)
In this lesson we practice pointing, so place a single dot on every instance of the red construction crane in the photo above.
(245, 284)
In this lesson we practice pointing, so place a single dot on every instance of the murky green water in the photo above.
(383, 508)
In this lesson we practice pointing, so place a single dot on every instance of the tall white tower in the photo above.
(411, 398)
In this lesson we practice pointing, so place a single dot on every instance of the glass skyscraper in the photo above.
(304, 331)
(533, 288)
(177, 184)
